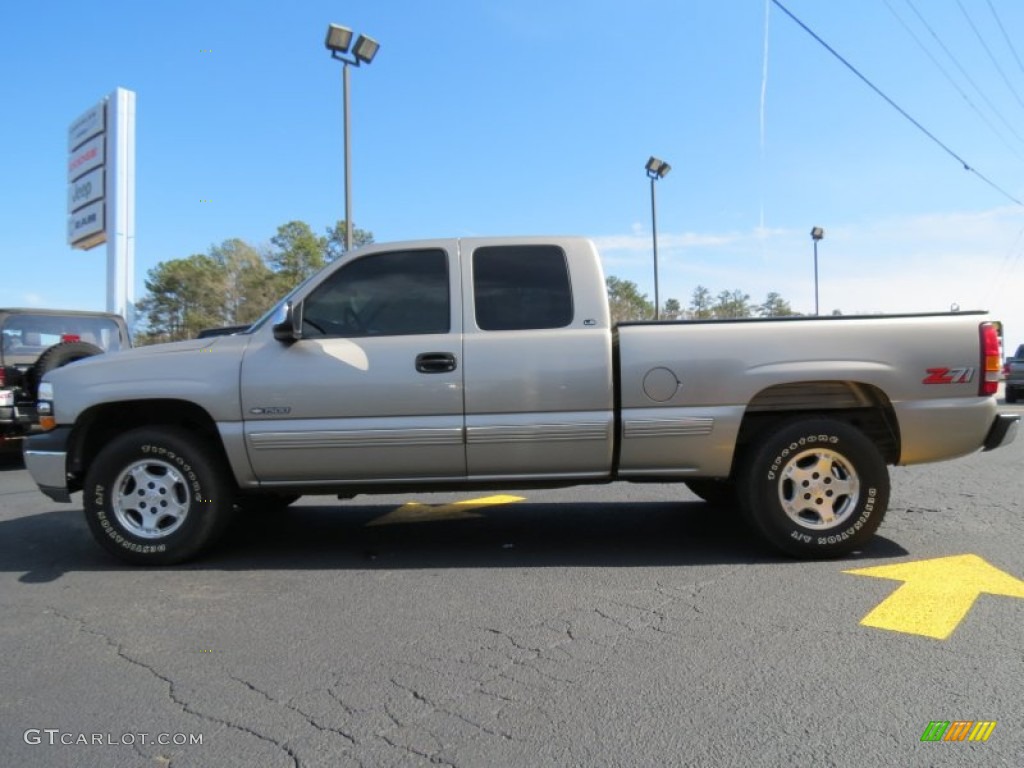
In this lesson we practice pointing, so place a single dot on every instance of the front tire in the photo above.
(157, 496)
(815, 488)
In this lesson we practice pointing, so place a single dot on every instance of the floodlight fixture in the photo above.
(366, 48)
(338, 38)
(657, 169)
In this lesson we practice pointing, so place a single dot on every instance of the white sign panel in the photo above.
(89, 123)
(86, 226)
(101, 192)
(88, 156)
(87, 189)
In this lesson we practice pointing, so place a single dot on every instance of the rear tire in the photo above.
(157, 496)
(1011, 395)
(815, 488)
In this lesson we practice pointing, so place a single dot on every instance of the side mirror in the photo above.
(290, 328)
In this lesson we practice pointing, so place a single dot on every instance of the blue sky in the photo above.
(530, 117)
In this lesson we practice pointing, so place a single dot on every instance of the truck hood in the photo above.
(189, 345)
(159, 350)
(201, 371)
(135, 353)
(172, 347)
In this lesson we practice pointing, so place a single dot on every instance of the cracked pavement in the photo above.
(608, 626)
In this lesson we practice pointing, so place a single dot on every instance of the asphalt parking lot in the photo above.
(603, 626)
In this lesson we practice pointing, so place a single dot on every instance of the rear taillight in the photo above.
(991, 364)
(3, 377)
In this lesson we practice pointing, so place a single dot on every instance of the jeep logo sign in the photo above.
(85, 190)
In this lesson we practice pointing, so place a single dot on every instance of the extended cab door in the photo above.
(538, 360)
(373, 389)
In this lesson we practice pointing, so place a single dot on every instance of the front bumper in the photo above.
(1003, 431)
(46, 457)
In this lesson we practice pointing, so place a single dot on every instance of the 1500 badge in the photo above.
(948, 376)
(275, 410)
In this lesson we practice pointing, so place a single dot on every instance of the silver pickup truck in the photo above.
(1013, 373)
(492, 363)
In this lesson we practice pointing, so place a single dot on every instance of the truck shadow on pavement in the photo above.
(10, 458)
(528, 535)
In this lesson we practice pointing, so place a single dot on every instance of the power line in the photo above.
(991, 56)
(897, 107)
(1006, 37)
(964, 71)
(952, 82)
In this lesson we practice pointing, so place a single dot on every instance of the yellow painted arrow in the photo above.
(414, 512)
(937, 593)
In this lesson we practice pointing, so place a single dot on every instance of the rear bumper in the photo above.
(46, 460)
(1003, 431)
(18, 419)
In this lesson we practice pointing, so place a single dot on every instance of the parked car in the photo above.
(34, 342)
(1013, 374)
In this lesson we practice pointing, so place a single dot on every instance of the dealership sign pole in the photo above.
(101, 192)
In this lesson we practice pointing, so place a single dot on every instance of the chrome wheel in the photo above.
(814, 487)
(818, 489)
(151, 499)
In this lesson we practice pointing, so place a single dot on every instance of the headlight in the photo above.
(44, 405)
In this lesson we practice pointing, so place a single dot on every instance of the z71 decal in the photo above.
(948, 376)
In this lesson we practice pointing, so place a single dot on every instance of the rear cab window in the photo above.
(29, 335)
(521, 287)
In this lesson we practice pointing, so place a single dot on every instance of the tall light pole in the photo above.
(656, 169)
(816, 234)
(338, 41)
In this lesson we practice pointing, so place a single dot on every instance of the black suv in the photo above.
(35, 341)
